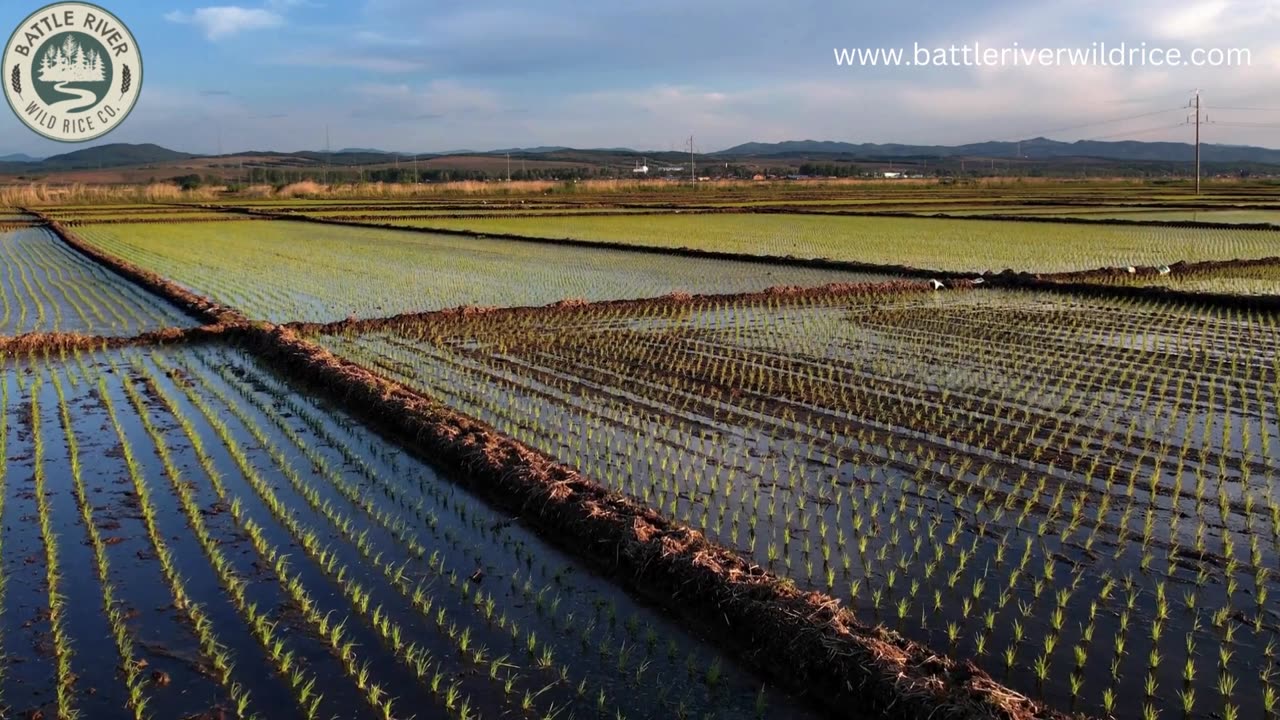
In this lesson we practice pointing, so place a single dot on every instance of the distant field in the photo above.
(1239, 217)
(284, 271)
(397, 215)
(960, 245)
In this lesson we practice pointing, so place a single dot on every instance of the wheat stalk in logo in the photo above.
(16, 80)
(126, 80)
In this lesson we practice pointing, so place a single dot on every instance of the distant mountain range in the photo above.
(1034, 149)
(539, 150)
(104, 156)
(1049, 155)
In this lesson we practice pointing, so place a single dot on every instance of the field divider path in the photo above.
(804, 640)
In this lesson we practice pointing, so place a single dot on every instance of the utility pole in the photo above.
(327, 155)
(1197, 106)
(693, 173)
(508, 167)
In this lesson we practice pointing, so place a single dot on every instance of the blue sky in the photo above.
(483, 74)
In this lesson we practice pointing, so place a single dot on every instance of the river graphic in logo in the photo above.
(72, 72)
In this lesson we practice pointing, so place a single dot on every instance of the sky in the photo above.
(439, 75)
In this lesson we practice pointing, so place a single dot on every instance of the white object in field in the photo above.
(1164, 270)
(935, 284)
(978, 281)
(1131, 269)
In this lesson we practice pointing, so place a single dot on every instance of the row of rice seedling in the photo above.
(939, 244)
(252, 552)
(1080, 495)
(290, 271)
(47, 287)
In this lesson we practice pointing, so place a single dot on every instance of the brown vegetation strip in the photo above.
(38, 343)
(806, 641)
(198, 307)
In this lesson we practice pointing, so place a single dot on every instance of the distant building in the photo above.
(891, 174)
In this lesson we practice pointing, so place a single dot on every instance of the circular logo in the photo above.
(72, 72)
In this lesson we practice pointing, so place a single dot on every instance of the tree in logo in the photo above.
(71, 63)
(72, 72)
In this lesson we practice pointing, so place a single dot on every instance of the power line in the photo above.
(1139, 132)
(1197, 106)
(1235, 123)
(1251, 109)
(1107, 122)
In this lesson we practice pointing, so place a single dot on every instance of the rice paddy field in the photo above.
(195, 535)
(291, 271)
(1098, 523)
(936, 243)
(47, 287)
(299, 468)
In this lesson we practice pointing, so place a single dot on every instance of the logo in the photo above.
(72, 72)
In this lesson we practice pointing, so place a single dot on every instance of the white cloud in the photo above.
(438, 98)
(225, 21)
(356, 61)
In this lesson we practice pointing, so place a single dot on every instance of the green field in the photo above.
(959, 245)
(286, 271)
